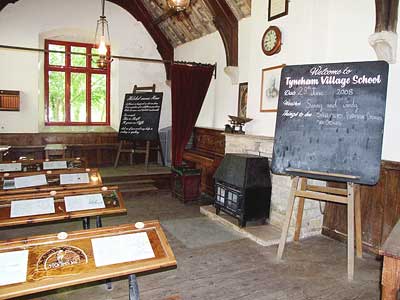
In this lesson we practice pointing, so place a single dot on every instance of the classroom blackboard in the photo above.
(140, 116)
(330, 119)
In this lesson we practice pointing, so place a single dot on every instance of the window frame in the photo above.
(67, 69)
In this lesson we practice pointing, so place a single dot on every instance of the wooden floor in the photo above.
(235, 268)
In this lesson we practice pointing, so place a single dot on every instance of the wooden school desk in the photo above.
(33, 165)
(53, 181)
(54, 262)
(113, 201)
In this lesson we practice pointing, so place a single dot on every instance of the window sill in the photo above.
(76, 129)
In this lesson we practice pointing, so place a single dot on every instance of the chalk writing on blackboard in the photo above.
(140, 116)
(330, 119)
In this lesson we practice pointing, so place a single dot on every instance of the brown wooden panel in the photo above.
(206, 154)
(380, 209)
(98, 148)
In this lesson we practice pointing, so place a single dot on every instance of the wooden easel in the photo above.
(133, 149)
(349, 197)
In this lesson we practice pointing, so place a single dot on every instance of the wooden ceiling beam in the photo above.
(137, 9)
(228, 27)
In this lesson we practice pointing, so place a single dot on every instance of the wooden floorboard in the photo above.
(315, 268)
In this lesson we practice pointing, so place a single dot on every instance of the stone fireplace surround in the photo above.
(263, 145)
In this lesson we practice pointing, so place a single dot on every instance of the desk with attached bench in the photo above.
(43, 263)
(46, 181)
(42, 207)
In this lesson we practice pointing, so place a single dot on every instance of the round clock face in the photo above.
(271, 41)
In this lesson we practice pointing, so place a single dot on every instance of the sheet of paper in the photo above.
(84, 202)
(8, 184)
(13, 167)
(28, 181)
(76, 178)
(121, 248)
(54, 165)
(277, 7)
(13, 266)
(32, 207)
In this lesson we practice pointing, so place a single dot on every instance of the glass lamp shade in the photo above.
(178, 5)
(102, 42)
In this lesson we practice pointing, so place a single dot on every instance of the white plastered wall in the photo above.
(27, 22)
(314, 31)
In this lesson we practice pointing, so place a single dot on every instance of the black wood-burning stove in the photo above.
(243, 187)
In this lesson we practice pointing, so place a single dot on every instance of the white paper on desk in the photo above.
(121, 248)
(54, 165)
(32, 207)
(28, 181)
(13, 167)
(13, 266)
(76, 178)
(84, 202)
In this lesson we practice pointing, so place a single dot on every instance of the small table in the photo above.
(49, 269)
(186, 183)
(391, 265)
(53, 181)
(113, 202)
(55, 151)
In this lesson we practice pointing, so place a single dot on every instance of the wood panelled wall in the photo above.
(99, 149)
(380, 210)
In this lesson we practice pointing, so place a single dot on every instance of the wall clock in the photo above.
(271, 41)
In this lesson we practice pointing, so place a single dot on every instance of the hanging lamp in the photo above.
(102, 40)
(178, 5)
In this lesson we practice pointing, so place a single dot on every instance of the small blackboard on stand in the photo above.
(140, 119)
(140, 116)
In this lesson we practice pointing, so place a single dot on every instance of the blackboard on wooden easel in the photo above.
(330, 119)
(140, 119)
(140, 116)
(329, 126)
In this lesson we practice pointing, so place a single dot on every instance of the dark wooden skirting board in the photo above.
(380, 210)
(100, 149)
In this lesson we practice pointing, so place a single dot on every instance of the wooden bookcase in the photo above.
(9, 100)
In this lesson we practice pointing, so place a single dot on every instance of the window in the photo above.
(77, 92)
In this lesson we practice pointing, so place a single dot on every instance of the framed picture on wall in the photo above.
(277, 9)
(270, 81)
(242, 99)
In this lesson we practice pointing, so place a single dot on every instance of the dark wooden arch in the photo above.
(386, 15)
(137, 9)
(228, 27)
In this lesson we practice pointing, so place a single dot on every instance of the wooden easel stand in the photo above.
(349, 197)
(133, 150)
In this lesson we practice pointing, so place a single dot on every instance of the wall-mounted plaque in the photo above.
(277, 9)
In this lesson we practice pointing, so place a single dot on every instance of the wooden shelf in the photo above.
(9, 100)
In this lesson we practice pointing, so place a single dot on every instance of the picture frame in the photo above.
(277, 9)
(242, 99)
(270, 83)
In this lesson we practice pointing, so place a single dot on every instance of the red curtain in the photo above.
(189, 85)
